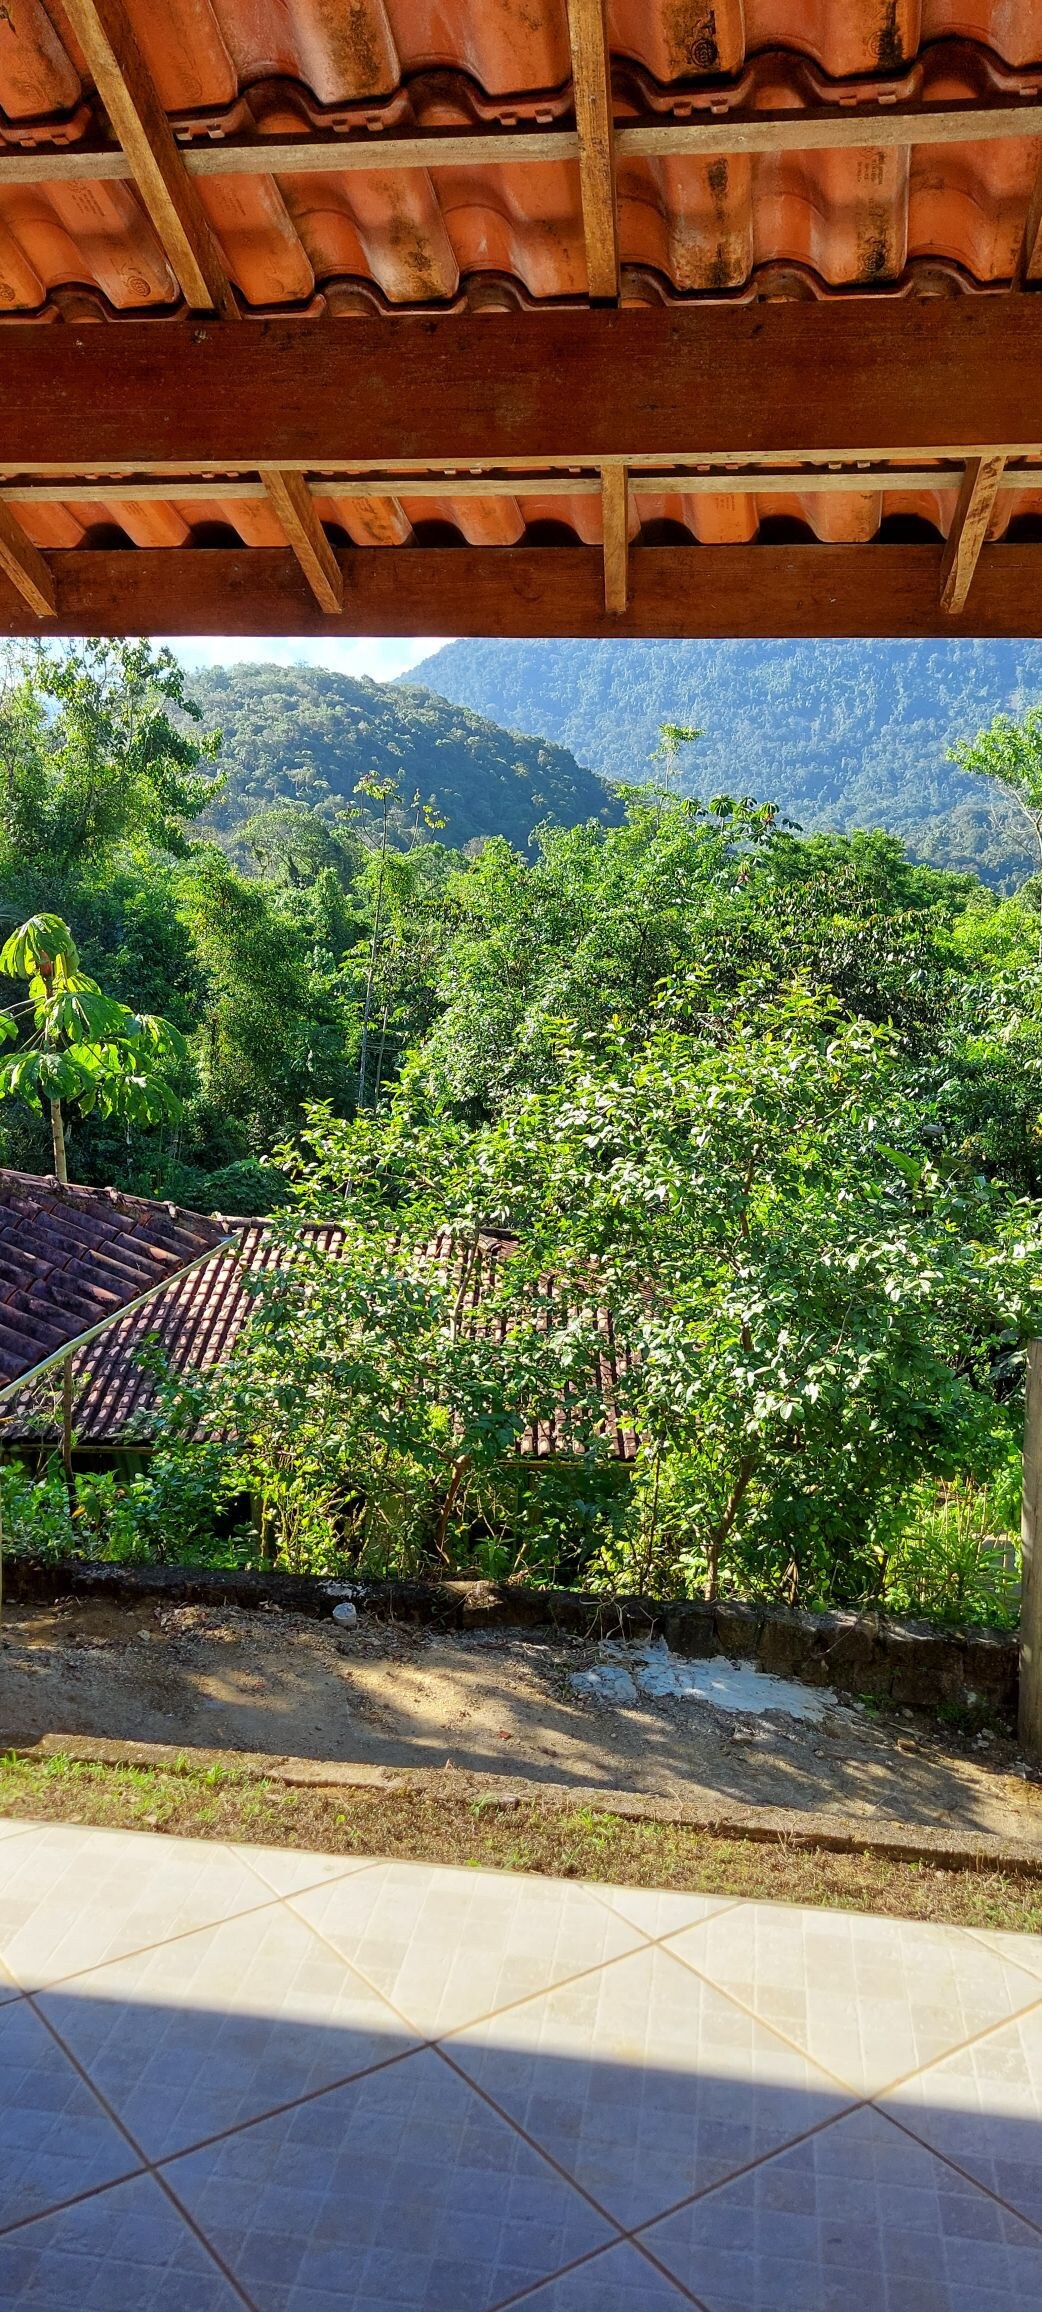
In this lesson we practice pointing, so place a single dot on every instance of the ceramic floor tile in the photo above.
(8, 1987)
(125, 2250)
(617, 2280)
(644, 2083)
(400, 2193)
(662, 1913)
(868, 1998)
(1024, 1950)
(290, 1871)
(12, 1829)
(856, 2216)
(983, 2107)
(201, 2034)
(450, 1945)
(72, 1898)
(55, 2139)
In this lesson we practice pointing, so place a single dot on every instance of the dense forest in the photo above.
(839, 734)
(760, 1110)
(304, 735)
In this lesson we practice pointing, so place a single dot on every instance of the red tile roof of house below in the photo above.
(72, 1258)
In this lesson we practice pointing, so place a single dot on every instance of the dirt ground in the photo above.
(487, 1703)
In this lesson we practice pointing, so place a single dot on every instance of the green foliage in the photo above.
(303, 735)
(81, 1049)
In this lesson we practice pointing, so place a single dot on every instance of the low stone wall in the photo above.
(907, 1663)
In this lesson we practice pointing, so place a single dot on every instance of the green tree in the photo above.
(79, 1051)
(1010, 754)
(94, 755)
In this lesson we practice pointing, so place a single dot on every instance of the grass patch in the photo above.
(477, 1831)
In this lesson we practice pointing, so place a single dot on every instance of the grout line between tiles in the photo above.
(887, 2086)
(579, 2264)
(72, 2200)
(352, 1870)
(532, 2141)
(948, 2160)
(980, 1935)
(141, 1950)
(747, 2168)
(165, 2159)
(145, 2164)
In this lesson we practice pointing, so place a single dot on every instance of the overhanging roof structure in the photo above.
(346, 316)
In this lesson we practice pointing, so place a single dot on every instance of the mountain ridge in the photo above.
(838, 734)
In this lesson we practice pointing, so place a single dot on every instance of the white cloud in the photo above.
(379, 656)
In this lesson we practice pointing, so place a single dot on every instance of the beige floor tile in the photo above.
(868, 1998)
(450, 1945)
(402, 2192)
(1024, 1950)
(290, 1871)
(204, 2033)
(8, 1987)
(855, 2219)
(9, 1828)
(663, 1912)
(644, 2083)
(983, 2108)
(56, 2140)
(71, 1898)
(125, 2250)
(619, 2279)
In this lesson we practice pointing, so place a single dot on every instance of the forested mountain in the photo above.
(309, 735)
(839, 734)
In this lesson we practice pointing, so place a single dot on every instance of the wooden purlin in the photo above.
(969, 529)
(810, 128)
(710, 591)
(841, 380)
(128, 93)
(25, 568)
(595, 128)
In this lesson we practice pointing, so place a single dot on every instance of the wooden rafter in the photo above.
(295, 507)
(26, 569)
(811, 128)
(594, 121)
(131, 100)
(799, 590)
(128, 93)
(969, 529)
(841, 380)
(614, 527)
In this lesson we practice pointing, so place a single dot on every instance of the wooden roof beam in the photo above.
(128, 93)
(594, 121)
(26, 569)
(292, 501)
(844, 379)
(798, 590)
(980, 483)
(615, 533)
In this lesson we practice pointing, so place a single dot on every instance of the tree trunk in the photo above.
(67, 1468)
(61, 1169)
(1030, 1713)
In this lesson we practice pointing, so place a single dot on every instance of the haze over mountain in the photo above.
(839, 734)
(308, 735)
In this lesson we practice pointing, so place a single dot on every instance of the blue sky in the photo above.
(377, 656)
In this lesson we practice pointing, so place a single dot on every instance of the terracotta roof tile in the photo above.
(940, 219)
(70, 1258)
(195, 1321)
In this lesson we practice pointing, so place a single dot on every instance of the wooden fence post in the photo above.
(1030, 1714)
